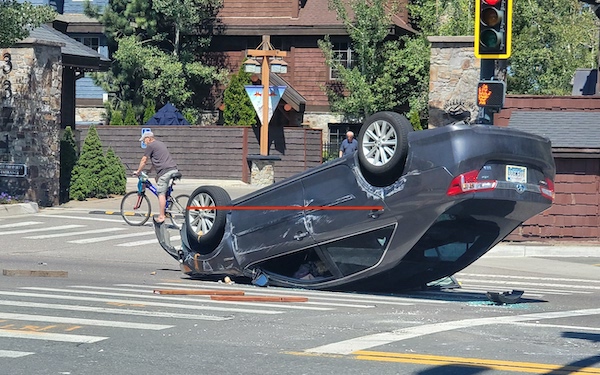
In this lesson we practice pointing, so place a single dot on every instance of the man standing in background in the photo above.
(349, 145)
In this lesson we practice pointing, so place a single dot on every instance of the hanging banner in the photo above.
(256, 97)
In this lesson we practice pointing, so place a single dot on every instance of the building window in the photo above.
(91, 41)
(342, 52)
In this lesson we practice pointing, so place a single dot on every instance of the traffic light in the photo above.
(490, 94)
(493, 29)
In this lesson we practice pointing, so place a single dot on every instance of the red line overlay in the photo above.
(285, 208)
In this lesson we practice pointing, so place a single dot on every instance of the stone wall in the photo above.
(321, 120)
(453, 78)
(30, 121)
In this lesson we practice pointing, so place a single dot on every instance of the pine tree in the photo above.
(149, 110)
(116, 118)
(85, 179)
(238, 107)
(68, 158)
(130, 116)
(113, 177)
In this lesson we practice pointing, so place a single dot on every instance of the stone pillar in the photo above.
(453, 78)
(30, 121)
(262, 169)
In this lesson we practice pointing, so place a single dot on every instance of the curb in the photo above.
(19, 209)
(543, 250)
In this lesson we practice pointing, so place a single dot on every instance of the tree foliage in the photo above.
(157, 50)
(19, 18)
(238, 107)
(129, 116)
(97, 175)
(387, 74)
(116, 118)
(149, 111)
(114, 176)
(85, 178)
(551, 39)
(451, 17)
(68, 159)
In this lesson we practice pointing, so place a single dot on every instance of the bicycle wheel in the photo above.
(135, 208)
(176, 209)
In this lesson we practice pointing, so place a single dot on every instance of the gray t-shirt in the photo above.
(160, 157)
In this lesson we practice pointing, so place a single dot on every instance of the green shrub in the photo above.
(130, 116)
(116, 118)
(149, 111)
(238, 107)
(68, 158)
(114, 176)
(192, 115)
(415, 119)
(85, 178)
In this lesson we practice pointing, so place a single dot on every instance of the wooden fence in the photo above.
(216, 152)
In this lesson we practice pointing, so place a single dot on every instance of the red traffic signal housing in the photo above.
(493, 29)
(490, 94)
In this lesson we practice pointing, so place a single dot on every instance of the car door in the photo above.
(336, 206)
(270, 224)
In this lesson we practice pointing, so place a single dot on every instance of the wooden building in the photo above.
(573, 125)
(294, 27)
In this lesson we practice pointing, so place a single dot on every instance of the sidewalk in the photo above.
(235, 189)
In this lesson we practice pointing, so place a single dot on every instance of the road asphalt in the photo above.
(237, 188)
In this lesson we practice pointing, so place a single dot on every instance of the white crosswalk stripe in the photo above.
(63, 337)
(107, 310)
(20, 224)
(145, 242)
(70, 234)
(313, 295)
(109, 238)
(155, 297)
(140, 301)
(89, 322)
(13, 354)
(42, 229)
(327, 303)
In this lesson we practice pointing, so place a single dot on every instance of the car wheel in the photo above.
(383, 147)
(205, 226)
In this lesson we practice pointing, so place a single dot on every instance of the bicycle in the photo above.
(136, 208)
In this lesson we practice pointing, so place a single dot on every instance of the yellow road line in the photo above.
(424, 359)
(528, 367)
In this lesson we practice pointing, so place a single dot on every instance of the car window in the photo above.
(357, 253)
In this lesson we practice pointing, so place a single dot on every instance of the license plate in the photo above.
(515, 173)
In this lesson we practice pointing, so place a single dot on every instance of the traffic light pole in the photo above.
(487, 71)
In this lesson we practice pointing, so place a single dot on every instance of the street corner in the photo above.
(16, 209)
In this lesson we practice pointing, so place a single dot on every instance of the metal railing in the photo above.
(330, 151)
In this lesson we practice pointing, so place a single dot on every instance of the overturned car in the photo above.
(406, 209)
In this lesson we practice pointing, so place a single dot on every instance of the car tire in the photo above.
(383, 147)
(205, 227)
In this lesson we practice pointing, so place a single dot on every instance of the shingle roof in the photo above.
(564, 129)
(74, 53)
(290, 95)
(314, 14)
(75, 18)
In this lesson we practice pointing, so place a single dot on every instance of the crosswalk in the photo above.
(85, 232)
(90, 313)
(66, 314)
(534, 287)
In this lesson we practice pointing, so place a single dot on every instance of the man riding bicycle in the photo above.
(165, 167)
